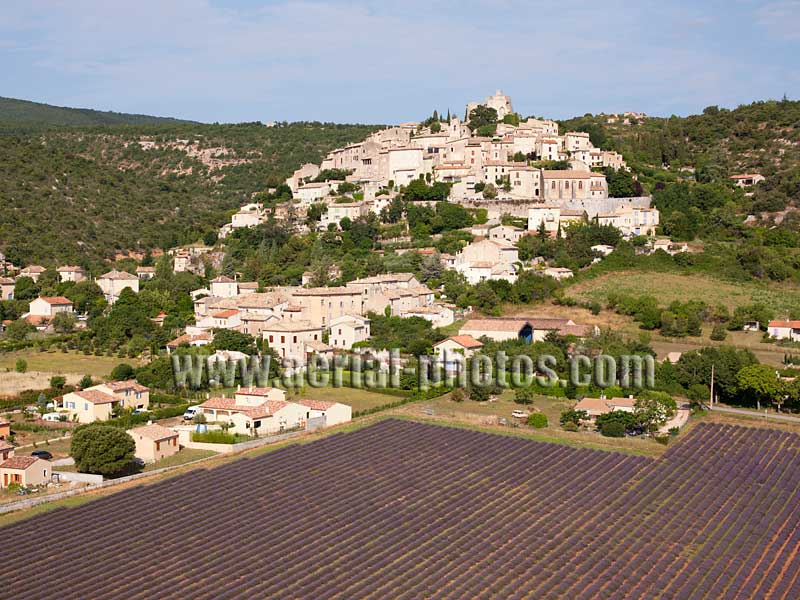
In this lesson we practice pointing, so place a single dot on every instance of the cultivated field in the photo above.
(12, 383)
(668, 287)
(452, 513)
(60, 363)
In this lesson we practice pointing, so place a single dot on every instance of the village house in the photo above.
(193, 341)
(70, 273)
(251, 412)
(113, 282)
(32, 271)
(145, 273)
(348, 330)
(49, 306)
(506, 233)
(488, 259)
(323, 304)
(557, 273)
(332, 413)
(5, 429)
(224, 287)
(154, 442)
(632, 221)
(338, 211)
(7, 288)
(553, 218)
(6, 450)
(529, 329)
(25, 471)
(288, 338)
(99, 402)
(438, 314)
(313, 192)
(305, 173)
(452, 352)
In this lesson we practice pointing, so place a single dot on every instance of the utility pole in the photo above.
(711, 399)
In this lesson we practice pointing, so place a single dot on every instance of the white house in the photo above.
(49, 306)
(784, 330)
(333, 412)
(113, 282)
(452, 352)
(70, 273)
(488, 259)
(348, 330)
(224, 287)
(7, 288)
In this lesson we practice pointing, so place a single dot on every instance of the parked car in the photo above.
(43, 454)
(519, 414)
(51, 416)
(140, 411)
(191, 413)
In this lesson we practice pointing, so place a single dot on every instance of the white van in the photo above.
(51, 416)
(191, 412)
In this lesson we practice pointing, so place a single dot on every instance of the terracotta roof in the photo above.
(118, 275)
(266, 409)
(6, 281)
(791, 324)
(222, 279)
(327, 291)
(154, 432)
(5, 445)
(224, 314)
(56, 300)
(95, 396)
(19, 462)
(119, 386)
(316, 404)
(256, 391)
(494, 324)
(291, 325)
(188, 339)
(69, 269)
(467, 341)
(145, 269)
(33, 269)
(745, 176)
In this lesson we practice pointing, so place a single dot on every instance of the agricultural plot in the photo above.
(406, 510)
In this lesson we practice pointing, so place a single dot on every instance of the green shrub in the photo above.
(613, 429)
(214, 436)
(21, 366)
(537, 420)
(569, 426)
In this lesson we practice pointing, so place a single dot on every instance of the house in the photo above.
(631, 221)
(530, 329)
(259, 394)
(32, 271)
(70, 273)
(506, 233)
(313, 192)
(154, 442)
(193, 341)
(453, 351)
(25, 471)
(784, 330)
(439, 315)
(5, 429)
(488, 259)
(747, 179)
(99, 402)
(224, 287)
(49, 306)
(601, 406)
(113, 282)
(145, 273)
(6, 288)
(251, 415)
(223, 319)
(321, 305)
(288, 338)
(348, 330)
(342, 210)
(333, 413)
(6, 450)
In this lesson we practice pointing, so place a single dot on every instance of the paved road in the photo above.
(753, 413)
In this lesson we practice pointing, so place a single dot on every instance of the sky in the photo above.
(388, 62)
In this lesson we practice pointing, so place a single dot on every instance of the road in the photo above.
(756, 414)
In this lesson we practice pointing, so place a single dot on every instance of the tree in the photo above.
(573, 416)
(489, 191)
(537, 420)
(64, 322)
(761, 383)
(101, 449)
(19, 330)
(85, 382)
(58, 381)
(122, 372)
(230, 339)
(653, 409)
(523, 396)
(25, 288)
(21, 366)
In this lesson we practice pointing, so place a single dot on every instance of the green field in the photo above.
(358, 399)
(63, 362)
(667, 287)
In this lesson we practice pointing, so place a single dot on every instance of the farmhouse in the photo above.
(595, 407)
(70, 273)
(25, 471)
(745, 180)
(49, 306)
(32, 271)
(154, 442)
(784, 330)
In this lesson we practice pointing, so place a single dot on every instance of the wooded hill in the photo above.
(24, 112)
(82, 194)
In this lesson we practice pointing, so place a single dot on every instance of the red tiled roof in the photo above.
(266, 409)
(56, 300)
(791, 324)
(154, 432)
(118, 386)
(316, 404)
(467, 341)
(96, 396)
(19, 462)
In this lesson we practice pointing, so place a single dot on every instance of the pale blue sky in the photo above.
(384, 62)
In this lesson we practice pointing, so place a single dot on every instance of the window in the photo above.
(566, 184)
(553, 185)
(580, 185)
(158, 446)
(283, 339)
(85, 406)
(270, 338)
(294, 339)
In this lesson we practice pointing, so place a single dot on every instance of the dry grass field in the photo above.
(63, 363)
(12, 383)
